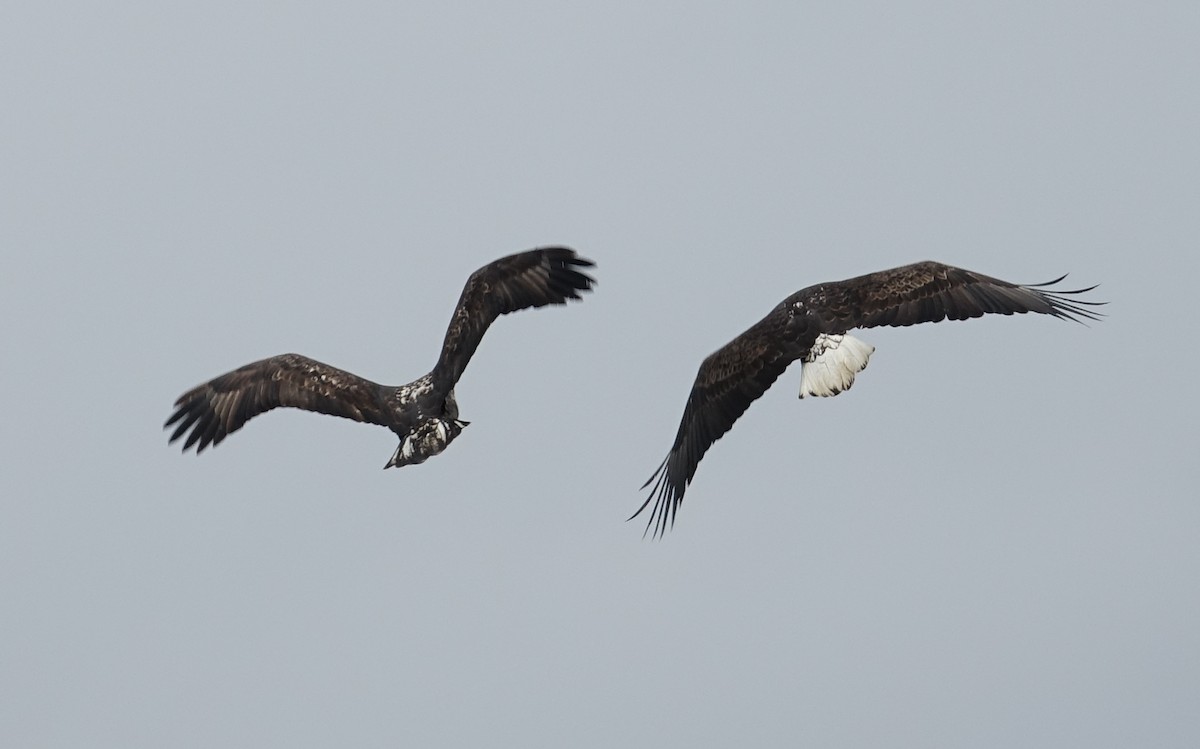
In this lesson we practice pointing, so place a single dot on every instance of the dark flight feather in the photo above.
(516, 282)
(221, 406)
(739, 373)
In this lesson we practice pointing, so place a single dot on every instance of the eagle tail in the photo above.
(425, 440)
(832, 363)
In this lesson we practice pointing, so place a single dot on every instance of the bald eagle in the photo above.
(811, 326)
(423, 413)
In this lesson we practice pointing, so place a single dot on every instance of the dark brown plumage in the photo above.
(423, 413)
(811, 325)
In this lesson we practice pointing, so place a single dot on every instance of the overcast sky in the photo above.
(991, 541)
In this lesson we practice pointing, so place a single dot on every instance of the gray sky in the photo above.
(991, 541)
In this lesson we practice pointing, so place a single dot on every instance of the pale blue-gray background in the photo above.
(992, 541)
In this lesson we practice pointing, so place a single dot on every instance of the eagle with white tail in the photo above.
(811, 325)
(423, 413)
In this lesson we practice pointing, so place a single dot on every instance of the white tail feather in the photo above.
(832, 363)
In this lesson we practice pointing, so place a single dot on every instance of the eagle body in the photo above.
(423, 413)
(811, 326)
(426, 421)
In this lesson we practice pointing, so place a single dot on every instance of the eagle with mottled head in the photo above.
(423, 413)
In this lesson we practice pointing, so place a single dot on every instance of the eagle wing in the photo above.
(928, 292)
(728, 381)
(739, 373)
(221, 406)
(535, 278)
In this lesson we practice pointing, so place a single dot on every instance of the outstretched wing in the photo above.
(535, 278)
(221, 406)
(928, 292)
(729, 380)
(736, 375)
